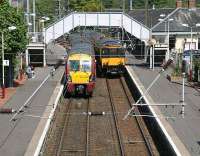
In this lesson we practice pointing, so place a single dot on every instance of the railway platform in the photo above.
(18, 130)
(182, 133)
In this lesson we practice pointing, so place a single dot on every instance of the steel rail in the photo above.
(64, 128)
(146, 141)
(115, 120)
(87, 129)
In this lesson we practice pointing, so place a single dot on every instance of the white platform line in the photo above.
(177, 151)
(46, 128)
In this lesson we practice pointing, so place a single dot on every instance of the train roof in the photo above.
(81, 43)
(79, 38)
(109, 41)
(82, 48)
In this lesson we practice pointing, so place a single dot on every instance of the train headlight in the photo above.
(92, 78)
(69, 78)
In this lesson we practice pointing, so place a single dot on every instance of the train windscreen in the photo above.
(85, 65)
(113, 52)
(74, 65)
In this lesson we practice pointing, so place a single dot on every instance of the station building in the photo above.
(177, 28)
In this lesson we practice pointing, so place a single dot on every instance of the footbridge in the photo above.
(36, 50)
(102, 19)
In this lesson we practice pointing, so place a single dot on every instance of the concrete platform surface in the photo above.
(188, 128)
(16, 135)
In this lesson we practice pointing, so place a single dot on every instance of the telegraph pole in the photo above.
(122, 27)
(66, 6)
(28, 14)
(34, 16)
(123, 5)
(131, 4)
(58, 8)
(146, 12)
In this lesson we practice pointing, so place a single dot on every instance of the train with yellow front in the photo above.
(80, 68)
(110, 55)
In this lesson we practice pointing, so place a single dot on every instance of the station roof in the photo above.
(180, 16)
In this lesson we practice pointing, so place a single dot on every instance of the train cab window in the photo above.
(105, 52)
(121, 52)
(85, 65)
(110, 52)
(74, 65)
(113, 52)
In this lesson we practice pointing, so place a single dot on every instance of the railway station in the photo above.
(105, 82)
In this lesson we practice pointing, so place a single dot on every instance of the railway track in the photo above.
(136, 140)
(74, 139)
(94, 126)
(115, 119)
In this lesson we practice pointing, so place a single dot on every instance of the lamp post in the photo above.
(168, 21)
(163, 20)
(29, 24)
(34, 15)
(27, 12)
(191, 42)
(2, 50)
(43, 20)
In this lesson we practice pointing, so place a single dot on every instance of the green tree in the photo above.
(14, 41)
(94, 5)
(108, 3)
(86, 5)
(156, 3)
(45, 8)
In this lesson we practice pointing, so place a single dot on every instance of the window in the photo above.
(74, 65)
(85, 65)
(121, 52)
(116, 52)
(105, 52)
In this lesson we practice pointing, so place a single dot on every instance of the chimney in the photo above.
(191, 4)
(179, 3)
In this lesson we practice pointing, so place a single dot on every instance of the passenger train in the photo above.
(110, 55)
(80, 68)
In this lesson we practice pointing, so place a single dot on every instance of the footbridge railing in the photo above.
(107, 19)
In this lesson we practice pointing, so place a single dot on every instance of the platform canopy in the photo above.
(105, 19)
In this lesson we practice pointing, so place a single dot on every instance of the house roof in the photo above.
(180, 16)
(152, 15)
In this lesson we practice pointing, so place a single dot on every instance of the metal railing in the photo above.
(95, 19)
